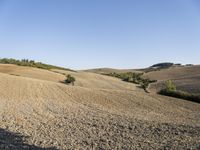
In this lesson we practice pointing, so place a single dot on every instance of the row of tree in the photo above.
(132, 77)
(30, 63)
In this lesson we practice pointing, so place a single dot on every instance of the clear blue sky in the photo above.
(83, 34)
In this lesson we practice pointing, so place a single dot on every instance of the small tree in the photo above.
(169, 85)
(32, 61)
(145, 84)
(70, 79)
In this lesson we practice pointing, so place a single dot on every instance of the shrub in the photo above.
(70, 79)
(145, 84)
(133, 78)
(169, 85)
(181, 94)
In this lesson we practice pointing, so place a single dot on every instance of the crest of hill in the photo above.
(151, 68)
(111, 70)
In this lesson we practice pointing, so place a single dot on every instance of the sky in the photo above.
(82, 34)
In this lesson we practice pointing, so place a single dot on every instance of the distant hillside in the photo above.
(110, 70)
(154, 67)
(162, 65)
(186, 78)
(159, 66)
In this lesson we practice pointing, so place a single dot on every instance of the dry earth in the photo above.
(38, 112)
(186, 78)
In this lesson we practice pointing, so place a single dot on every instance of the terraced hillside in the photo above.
(37, 111)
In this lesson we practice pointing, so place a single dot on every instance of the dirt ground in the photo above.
(99, 112)
(186, 78)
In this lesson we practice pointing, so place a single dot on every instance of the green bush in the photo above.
(169, 85)
(145, 84)
(70, 79)
(181, 94)
(133, 78)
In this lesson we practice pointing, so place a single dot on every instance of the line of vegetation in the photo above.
(133, 78)
(30, 63)
(70, 79)
(170, 90)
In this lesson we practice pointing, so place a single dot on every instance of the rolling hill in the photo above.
(110, 70)
(186, 78)
(38, 111)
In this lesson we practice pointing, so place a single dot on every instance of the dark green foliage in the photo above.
(30, 63)
(133, 78)
(181, 94)
(170, 86)
(145, 84)
(70, 79)
(128, 77)
(189, 65)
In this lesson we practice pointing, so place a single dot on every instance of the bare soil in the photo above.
(186, 78)
(99, 112)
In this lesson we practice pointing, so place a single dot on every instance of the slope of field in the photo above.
(31, 72)
(93, 80)
(41, 114)
(186, 78)
(83, 79)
